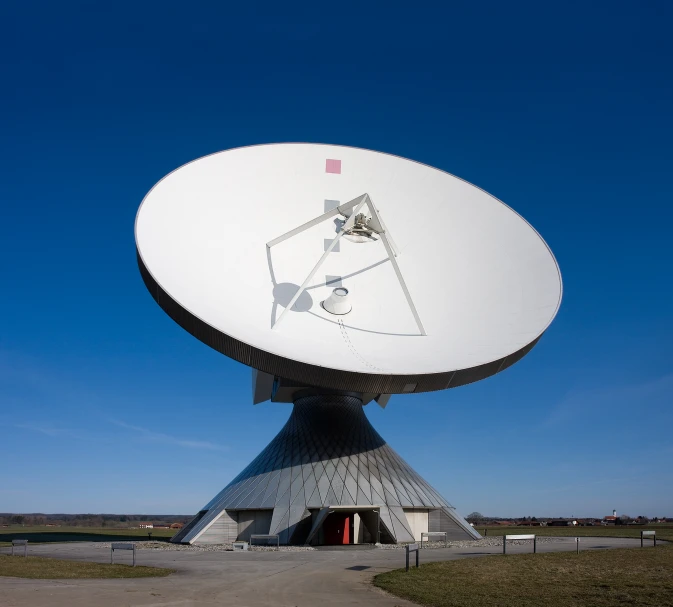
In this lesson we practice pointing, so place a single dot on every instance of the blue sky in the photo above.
(562, 110)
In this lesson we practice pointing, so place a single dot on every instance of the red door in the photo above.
(337, 528)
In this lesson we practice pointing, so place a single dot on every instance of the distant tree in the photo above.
(18, 519)
(474, 517)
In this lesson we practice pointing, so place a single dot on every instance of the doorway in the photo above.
(337, 528)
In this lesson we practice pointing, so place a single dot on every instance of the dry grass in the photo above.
(36, 567)
(664, 531)
(605, 578)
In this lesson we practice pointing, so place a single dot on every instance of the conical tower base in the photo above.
(327, 459)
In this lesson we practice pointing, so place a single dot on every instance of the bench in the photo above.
(505, 538)
(429, 533)
(652, 534)
(122, 546)
(23, 543)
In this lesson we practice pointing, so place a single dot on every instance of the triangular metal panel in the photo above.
(331, 499)
(403, 531)
(296, 515)
(256, 498)
(346, 497)
(330, 468)
(351, 486)
(387, 522)
(309, 485)
(377, 499)
(391, 499)
(313, 500)
(269, 500)
(341, 469)
(365, 489)
(280, 526)
(284, 484)
(338, 487)
(296, 486)
(323, 488)
(363, 500)
(317, 523)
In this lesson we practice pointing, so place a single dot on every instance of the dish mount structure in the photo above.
(331, 321)
(366, 227)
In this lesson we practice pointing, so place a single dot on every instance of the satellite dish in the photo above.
(341, 276)
(448, 285)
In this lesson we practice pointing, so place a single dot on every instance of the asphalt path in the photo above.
(244, 579)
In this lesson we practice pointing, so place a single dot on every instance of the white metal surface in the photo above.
(482, 280)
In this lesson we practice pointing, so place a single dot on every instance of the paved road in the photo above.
(253, 579)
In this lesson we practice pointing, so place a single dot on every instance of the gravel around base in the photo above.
(487, 542)
(208, 547)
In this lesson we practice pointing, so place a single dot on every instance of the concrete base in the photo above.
(327, 456)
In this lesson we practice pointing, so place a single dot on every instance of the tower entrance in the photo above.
(338, 529)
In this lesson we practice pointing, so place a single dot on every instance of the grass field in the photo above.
(601, 578)
(47, 569)
(664, 531)
(38, 535)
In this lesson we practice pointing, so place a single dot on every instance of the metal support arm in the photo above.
(350, 210)
(340, 233)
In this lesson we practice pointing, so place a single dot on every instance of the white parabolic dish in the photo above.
(484, 283)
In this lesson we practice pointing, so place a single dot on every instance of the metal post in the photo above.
(417, 553)
(378, 526)
(504, 544)
(641, 539)
(535, 544)
(578, 544)
(407, 558)
(655, 540)
(112, 555)
(134, 555)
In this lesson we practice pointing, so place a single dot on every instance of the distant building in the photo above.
(146, 525)
(177, 525)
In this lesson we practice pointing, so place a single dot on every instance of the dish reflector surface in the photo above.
(484, 283)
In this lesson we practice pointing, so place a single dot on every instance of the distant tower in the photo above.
(614, 513)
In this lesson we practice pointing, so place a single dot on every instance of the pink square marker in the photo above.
(333, 166)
